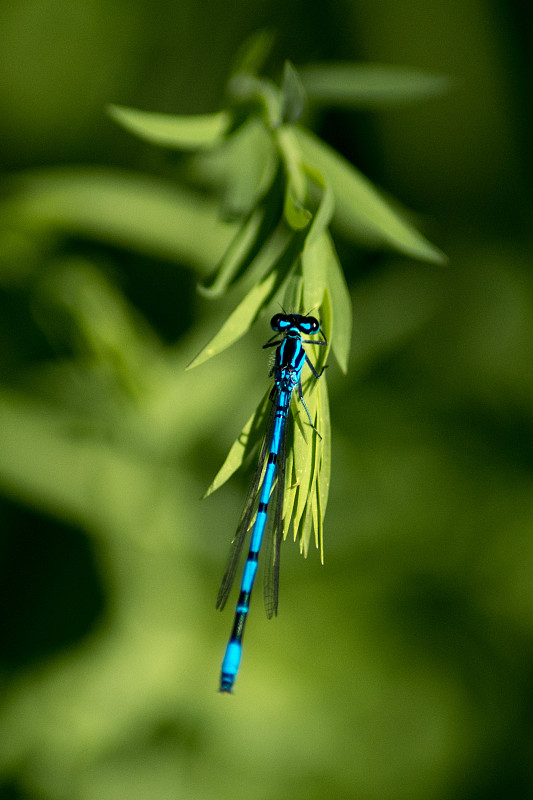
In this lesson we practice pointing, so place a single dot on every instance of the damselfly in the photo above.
(288, 364)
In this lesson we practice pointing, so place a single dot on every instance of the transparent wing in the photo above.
(275, 538)
(246, 517)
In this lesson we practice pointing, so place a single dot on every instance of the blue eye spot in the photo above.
(309, 325)
(280, 322)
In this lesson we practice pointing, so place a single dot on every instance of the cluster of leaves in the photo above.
(283, 187)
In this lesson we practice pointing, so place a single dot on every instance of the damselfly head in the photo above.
(282, 322)
(309, 325)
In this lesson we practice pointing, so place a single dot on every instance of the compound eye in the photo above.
(279, 323)
(309, 325)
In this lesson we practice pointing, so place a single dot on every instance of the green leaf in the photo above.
(243, 447)
(51, 458)
(322, 217)
(43, 464)
(303, 461)
(235, 255)
(317, 522)
(293, 296)
(291, 490)
(306, 449)
(341, 305)
(192, 132)
(274, 244)
(314, 257)
(250, 173)
(293, 97)
(79, 305)
(252, 55)
(324, 475)
(142, 214)
(240, 321)
(312, 502)
(241, 168)
(314, 270)
(295, 211)
(369, 85)
(309, 518)
(261, 294)
(321, 354)
(247, 90)
(296, 214)
(359, 208)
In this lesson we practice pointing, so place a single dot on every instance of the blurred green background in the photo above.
(403, 668)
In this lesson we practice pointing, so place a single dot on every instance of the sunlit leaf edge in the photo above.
(180, 132)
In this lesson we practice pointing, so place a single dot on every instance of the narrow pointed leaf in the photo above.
(318, 524)
(351, 85)
(314, 255)
(315, 272)
(180, 132)
(296, 212)
(143, 214)
(326, 324)
(240, 168)
(290, 491)
(293, 97)
(248, 440)
(304, 448)
(292, 299)
(341, 305)
(235, 255)
(326, 206)
(324, 476)
(239, 322)
(253, 53)
(359, 208)
(302, 474)
(246, 89)
(297, 216)
(261, 294)
(306, 522)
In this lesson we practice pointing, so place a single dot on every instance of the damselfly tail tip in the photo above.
(226, 685)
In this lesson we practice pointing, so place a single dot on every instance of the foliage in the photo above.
(403, 669)
(284, 187)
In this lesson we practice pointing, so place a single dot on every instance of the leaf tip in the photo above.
(115, 111)
(193, 363)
